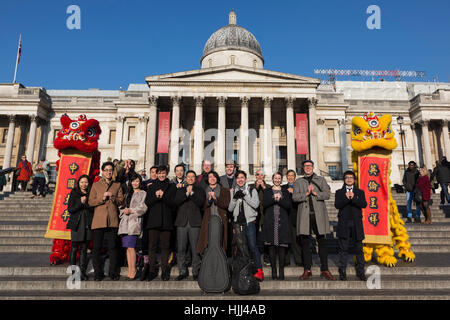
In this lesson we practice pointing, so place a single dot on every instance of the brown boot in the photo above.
(306, 274)
(428, 219)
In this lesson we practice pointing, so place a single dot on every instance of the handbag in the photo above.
(417, 195)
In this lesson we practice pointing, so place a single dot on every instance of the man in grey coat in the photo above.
(311, 191)
(229, 180)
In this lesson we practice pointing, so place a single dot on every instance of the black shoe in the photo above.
(84, 276)
(99, 278)
(195, 276)
(165, 274)
(342, 275)
(115, 277)
(182, 276)
(408, 220)
(281, 274)
(417, 220)
(152, 275)
(361, 276)
(274, 274)
(144, 272)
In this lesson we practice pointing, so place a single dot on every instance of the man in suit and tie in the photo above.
(350, 201)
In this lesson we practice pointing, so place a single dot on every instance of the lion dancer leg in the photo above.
(400, 235)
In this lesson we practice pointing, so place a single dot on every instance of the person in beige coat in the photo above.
(131, 213)
(105, 196)
(311, 191)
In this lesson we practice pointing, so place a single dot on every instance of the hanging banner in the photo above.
(301, 133)
(72, 165)
(373, 179)
(163, 132)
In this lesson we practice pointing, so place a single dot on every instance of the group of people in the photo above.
(420, 184)
(174, 214)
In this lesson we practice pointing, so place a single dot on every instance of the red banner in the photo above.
(163, 132)
(72, 165)
(373, 179)
(301, 133)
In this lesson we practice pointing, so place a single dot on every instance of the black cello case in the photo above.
(243, 282)
(214, 275)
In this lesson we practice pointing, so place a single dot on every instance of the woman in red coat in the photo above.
(423, 183)
(25, 172)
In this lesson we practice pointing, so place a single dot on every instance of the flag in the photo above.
(19, 50)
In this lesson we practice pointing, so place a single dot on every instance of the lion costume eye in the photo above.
(91, 132)
(74, 125)
(373, 123)
(357, 131)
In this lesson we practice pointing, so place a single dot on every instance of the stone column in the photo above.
(32, 138)
(446, 139)
(44, 138)
(290, 134)
(221, 134)
(119, 137)
(313, 141)
(415, 143)
(175, 132)
(198, 135)
(426, 145)
(321, 139)
(268, 157)
(142, 146)
(151, 132)
(9, 142)
(343, 138)
(243, 137)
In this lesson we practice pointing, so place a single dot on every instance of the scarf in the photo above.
(25, 165)
(214, 210)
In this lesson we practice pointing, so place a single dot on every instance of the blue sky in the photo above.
(121, 42)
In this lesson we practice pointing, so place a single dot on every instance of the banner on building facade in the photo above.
(72, 165)
(373, 178)
(301, 133)
(163, 132)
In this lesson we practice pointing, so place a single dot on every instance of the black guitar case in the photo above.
(242, 281)
(214, 275)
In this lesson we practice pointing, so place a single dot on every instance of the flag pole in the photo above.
(17, 58)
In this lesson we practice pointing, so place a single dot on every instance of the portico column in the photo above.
(175, 132)
(142, 146)
(415, 143)
(151, 131)
(9, 142)
(221, 127)
(313, 147)
(426, 145)
(290, 134)
(268, 159)
(119, 137)
(32, 138)
(446, 139)
(343, 138)
(243, 137)
(198, 135)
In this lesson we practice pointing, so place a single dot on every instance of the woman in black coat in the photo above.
(275, 229)
(160, 222)
(79, 223)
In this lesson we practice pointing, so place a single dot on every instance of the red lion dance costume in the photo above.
(77, 138)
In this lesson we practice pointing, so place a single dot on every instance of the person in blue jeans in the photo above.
(244, 204)
(409, 182)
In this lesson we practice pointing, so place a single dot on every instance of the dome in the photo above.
(232, 37)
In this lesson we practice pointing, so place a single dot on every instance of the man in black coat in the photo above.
(350, 200)
(295, 245)
(442, 174)
(189, 200)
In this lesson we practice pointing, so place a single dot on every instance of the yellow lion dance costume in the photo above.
(375, 135)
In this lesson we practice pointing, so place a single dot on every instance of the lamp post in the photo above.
(400, 122)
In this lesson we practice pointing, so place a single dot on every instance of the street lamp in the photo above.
(400, 122)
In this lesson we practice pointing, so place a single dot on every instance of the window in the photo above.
(112, 136)
(331, 135)
(131, 133)
(5, 135)
(332, 171)
(55, 133)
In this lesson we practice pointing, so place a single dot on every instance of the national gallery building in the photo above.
(230, 108)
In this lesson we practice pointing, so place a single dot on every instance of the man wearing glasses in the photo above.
(350, 201)
(311, 191)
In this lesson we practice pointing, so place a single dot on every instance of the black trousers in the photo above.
(306, 246)
(112, 240)
(38, 182)
(295, 246)
(164, 242)
(343, 249)
(83, 254)
(23, 184)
